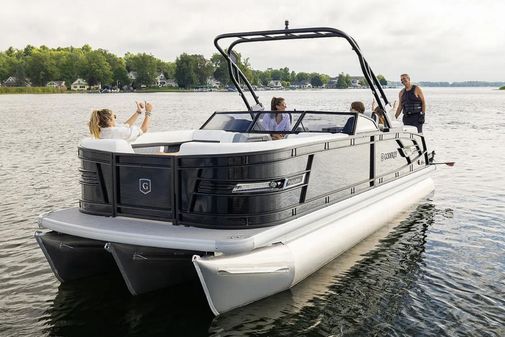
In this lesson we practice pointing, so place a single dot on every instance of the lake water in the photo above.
(437, 270)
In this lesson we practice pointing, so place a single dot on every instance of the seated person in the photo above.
(355, 107)
(378, 113)
(277, 121)
(102, 124)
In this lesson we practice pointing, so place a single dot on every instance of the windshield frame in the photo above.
(254, 115)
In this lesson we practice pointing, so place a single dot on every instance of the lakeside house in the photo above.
(82, 85)
(161, 80)
(301, 85)
(132, 75)
(275, 84)
(79, 85)
(172, 83)
(356, 82)
(56, 84)
(213, 83)
(13, 81)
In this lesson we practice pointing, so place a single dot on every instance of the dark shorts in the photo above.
(416, 120)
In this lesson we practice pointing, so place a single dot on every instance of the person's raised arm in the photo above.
(147, 119)
(400, 105)
(374, 104)
(135, 115)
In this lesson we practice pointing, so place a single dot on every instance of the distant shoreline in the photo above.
(50, 90)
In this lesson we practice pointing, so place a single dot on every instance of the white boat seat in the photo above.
(110, 145)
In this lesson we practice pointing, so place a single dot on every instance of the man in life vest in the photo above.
(412, 104)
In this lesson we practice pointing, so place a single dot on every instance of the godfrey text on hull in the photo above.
(246, 215)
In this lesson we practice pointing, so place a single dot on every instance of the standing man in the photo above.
(412, 103)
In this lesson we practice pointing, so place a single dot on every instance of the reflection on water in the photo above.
(438, 270)
(102, 306)
(344, 296)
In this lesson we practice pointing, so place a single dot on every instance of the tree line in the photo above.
(42, 64)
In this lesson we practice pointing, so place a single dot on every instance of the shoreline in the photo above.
(49, 90)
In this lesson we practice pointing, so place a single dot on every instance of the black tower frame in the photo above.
(237, 75)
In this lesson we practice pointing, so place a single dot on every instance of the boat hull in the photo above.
(146, 269)
(234, 266)
(235, 280)
(72, 257)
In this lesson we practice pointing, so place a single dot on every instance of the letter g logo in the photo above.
(145, 185)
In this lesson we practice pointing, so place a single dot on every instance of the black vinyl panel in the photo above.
(202, 190)
(97, 188)
(338, 169)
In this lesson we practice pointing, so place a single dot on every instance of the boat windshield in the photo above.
(287, 122)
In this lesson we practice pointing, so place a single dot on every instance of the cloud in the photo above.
(452, 40)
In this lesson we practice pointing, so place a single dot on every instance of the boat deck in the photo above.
(150, 233)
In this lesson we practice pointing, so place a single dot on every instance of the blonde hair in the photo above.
(99, 119)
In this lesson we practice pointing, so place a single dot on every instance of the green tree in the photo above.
(96, 69)
(276, 74)
(285, 75)
(28, 50)
(192, 70)
(302, 77)
(292, 77)
(167, 68)
(342, 82)
(71, 63)
(263, 76)
(325, 78)
(118, 67)
(145, 66)
(185, 71)
(315, 80)
(204, 69)
(221, 72)
(41, 67)
(4, 67)
(382, 80)
(245, 67)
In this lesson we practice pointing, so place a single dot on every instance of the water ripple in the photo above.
(438, 271)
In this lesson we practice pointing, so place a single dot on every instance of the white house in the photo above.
(275, 84)
(213, 83)
(161, 80)
(172, 83)
(13, 81)
(56, 84)
(301, 85)
(132, 75)
(96, 86)
(356, 81)
(79, 85)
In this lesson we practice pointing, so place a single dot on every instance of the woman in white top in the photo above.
(102, 124)
(277, 121)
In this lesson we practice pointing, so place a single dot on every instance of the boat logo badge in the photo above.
(145, 185)
(389, 155)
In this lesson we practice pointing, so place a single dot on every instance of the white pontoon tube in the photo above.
(231, 281)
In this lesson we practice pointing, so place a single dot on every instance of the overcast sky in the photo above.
(433, 40)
